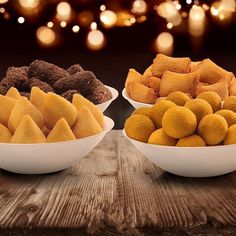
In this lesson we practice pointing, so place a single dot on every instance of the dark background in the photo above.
(125, 48)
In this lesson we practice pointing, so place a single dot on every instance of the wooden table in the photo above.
(116, 191)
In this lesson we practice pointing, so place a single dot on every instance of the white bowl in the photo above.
(103, 106)
(190, 161)
(49, 157)
(134, 103)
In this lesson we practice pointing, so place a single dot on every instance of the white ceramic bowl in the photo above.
(132, 102)
(103, 106)
(49, 157)
(190, 161)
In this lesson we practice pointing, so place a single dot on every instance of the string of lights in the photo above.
(106, 16)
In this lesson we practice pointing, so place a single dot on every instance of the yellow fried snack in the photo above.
(61, 132)
(46, 131)
(221, 88)
(159, 137)
(139, 127)
(230, 103)
(6, 107)
(163, 63)
(232, 87)
(158, 111)
(147, 73)
(37, 98)
(86, 125)
(199, 107)
(78, 101)
(142, 111)
(28, 132)
(57, 107)
(179, 122)
(194, 66)
(141, 93)
(191, 141)
(229, 116)
(178, 98)
(5, 134)
(212, 98)
(211, 73)
(24, 107)
(154, 83)
(186, 83)
(212, 128)
(230, 136)
(13, 93)
(133, 76)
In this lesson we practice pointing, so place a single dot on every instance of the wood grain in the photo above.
(116, 191)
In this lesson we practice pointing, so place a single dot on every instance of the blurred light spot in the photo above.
(139, 7)
(102, 7)
(169, 25)
(50, 24)
(95, 40)
(63, 11)
(30, 4)
(3, 1)
(93, 26)
(85, 18)
(164, 43)
(75, 28)
(108, 18)
(2, 10)
(188, 1)
(21, 20)
(45, 36)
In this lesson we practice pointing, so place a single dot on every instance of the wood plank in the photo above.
(116, 191)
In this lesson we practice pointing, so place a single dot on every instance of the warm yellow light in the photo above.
(21, 20)
(205, 7)
(188, 1)
(2, 10)
(178, 6)
(3, 1)
(63, 11)
(228, 5)
(46, 37)
(108, 18)
(50, 24)
(139, 7)
(93, 26)
(63, 24)
(75, 28)
(164, 43)
(29, 4)
(169, 26)
(95, 40)
(102, 7)
(196, 13)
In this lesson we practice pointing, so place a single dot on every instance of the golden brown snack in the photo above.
(154, 83)
(61, 132)
(194, 66)
(24, 107)
(230, 136)
(178, 98)
(57, 107)
(163, 63)
(229, 116)
(86, 125)
(37, 98)
(232, 87)
(141, 93)
(212, 98)
(28, 132)
(230, 103)
(79, 101)
(46, 131)
(221, 88)
(186, 83)
(5, 134)
(7, 104)
(133, 76)
(142, 111)
(212, 73)
(13, 93)
(191, 141)
(147, 73)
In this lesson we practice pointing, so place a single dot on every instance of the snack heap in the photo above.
(51, 78)
(47, 117)
(182, 121)
(168, 74)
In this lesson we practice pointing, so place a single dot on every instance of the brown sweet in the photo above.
(35, 82)
(3, 90)
(68, 95)
(74, 69)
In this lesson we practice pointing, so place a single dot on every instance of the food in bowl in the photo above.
(52, 78)
(47, 117)
(196, 123)
(168, 74)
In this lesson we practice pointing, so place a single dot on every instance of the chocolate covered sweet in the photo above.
(35, 82)
(74, 69)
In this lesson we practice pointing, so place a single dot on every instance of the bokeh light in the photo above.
(29, 4)
(3, 1)
(45, 36)
(139, 7)
(85, 18)
(108, 18)
(21, 20)
(164, 43)
(50, 24)
(63, 11)
(95, 40)
(63, 24)
(75, 28)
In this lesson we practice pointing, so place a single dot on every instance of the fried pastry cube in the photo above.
(163, 63)
(7, 104)
(221, 88)
(28, 132)
(212, 73)
(5, 134)
(61, 132)
(154, 83)
(86, 125)
(232, 87)
(57, 107)
(13, 93)
(24, 107)
(147, 73)
(133, 76)
(186, 83)
(194, 66)
(37, 98)
(141, 93)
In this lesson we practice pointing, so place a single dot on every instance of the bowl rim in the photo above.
(107, 120)
(175, 147)
(114, 93)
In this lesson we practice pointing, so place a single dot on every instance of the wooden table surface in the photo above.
(116, 191)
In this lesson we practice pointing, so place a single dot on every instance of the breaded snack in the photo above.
(232, 87)
(194, 66)
(28, 132)
(178, 98)
(37, 98)
(74, 69)
(159, 137)
(68, 95)
(179, 122)
(163, 63)
(143, 111)
(7, 104)
(230, 103)
(230, 136)
(212, 73)
(46, 72)
(229, 116)
(191, 141)
(3, 90)
(5, 134)
(186, 83)
(141, 93)
(61, 132)
(35, 82)
(154, 83)
(133, 76)
(199, 107)
(212, 128)
(13, 93)
(139, 127)
(212, 98)
(147, 73)
(220, 88)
